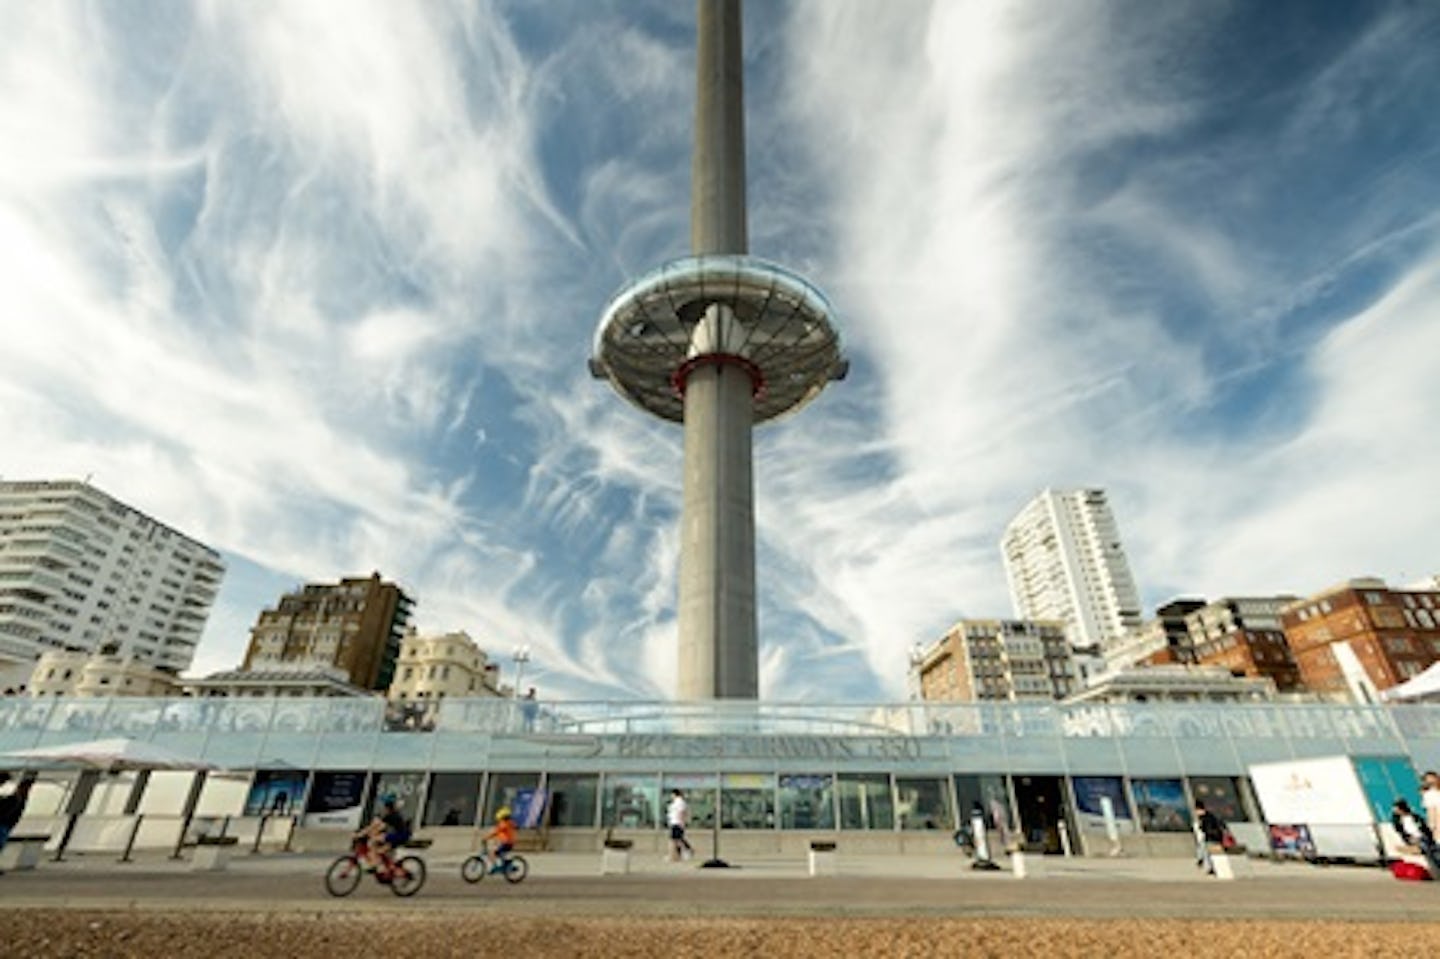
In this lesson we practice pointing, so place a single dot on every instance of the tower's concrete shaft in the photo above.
(719, 656)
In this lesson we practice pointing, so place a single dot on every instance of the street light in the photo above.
(521, 655)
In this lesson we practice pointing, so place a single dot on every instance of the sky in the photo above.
(316, 283)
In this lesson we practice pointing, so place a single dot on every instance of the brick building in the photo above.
(1361, 637)
(1244, 634)
(354, 625)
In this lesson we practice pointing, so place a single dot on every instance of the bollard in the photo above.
(822, 858)
(615, 858)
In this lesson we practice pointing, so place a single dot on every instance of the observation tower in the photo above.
(718, 341)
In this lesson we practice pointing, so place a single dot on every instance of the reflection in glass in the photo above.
(865, 802)
(747, 801)
(807, 801)
(699, 792)
(573, 798)
(454, 799)
(631, 801)
(923, 804)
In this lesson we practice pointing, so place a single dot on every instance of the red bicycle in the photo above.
(404, 876)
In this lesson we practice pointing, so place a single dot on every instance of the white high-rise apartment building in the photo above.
(1064, 561)
(82, 571)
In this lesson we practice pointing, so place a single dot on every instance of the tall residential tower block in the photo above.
(1064, 561)
(83, 572)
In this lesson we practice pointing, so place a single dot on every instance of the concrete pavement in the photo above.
(570, 884)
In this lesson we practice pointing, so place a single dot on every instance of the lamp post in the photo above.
(521, 656)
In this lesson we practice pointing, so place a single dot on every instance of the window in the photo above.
(453, 799)
(573, 799)
(923, 804)
(807, 801)
(747, 801)
(865, 802)
(630, 801)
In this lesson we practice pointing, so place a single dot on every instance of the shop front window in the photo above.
(1220, 796)
(631, 801)
(453, 799)
(923, 804)
(807, 801)
(747, 801)
(699, 792)
(573, 799)
(511, 790)
(865, 802)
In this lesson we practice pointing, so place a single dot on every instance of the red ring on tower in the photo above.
(757, 379)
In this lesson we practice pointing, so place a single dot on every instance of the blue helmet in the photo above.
(389, 799)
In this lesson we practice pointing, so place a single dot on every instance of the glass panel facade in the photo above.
(631, 801)
(573, 799)
(747, 801)
(454, 799)
(1161, 805)
(508, 789)
(923, 804)
(1221, 795)
(991, 795)
(807, 801)
(865, 802)
(699, 792)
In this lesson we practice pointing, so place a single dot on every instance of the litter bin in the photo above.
(822, 857)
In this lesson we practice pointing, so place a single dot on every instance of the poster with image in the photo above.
(276, 792)
(336, 800)
(1090, 791)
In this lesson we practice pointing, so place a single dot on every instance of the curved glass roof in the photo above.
(782, 326)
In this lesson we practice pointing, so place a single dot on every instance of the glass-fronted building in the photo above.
(1053, 778)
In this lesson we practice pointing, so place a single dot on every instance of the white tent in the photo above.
(1422, 688)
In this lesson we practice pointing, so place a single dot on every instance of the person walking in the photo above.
(677, 817)
(1209, 830)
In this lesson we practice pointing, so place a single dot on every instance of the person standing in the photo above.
(1209, 830)
(677, 817)
(1414, 831)
(1430, 800)
(12, 806)
(529, 709)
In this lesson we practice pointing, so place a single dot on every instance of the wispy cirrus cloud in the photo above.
(275, 269)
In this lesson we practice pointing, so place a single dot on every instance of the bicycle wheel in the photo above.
(474, 869)
(517, 869)
(343, 876)
(408, 876)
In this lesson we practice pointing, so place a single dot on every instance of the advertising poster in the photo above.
(336, 800)
(276, 792)
(1312, 791)
(529, 808)
(1090, 811)
(1291, 840)
(1161, 805)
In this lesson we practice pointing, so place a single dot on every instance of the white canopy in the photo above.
(108, 754)
(1425, 686)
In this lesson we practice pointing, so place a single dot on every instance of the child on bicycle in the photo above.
(504, 836)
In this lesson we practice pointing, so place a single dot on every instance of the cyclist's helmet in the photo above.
(390, 799)
(502, 813)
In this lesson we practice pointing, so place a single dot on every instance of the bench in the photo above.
(822, 857)
(22, 851)
(212, 853)
(417, 844)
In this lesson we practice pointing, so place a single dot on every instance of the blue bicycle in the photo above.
(514, 868)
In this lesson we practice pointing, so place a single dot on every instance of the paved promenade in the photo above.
(570, 884)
